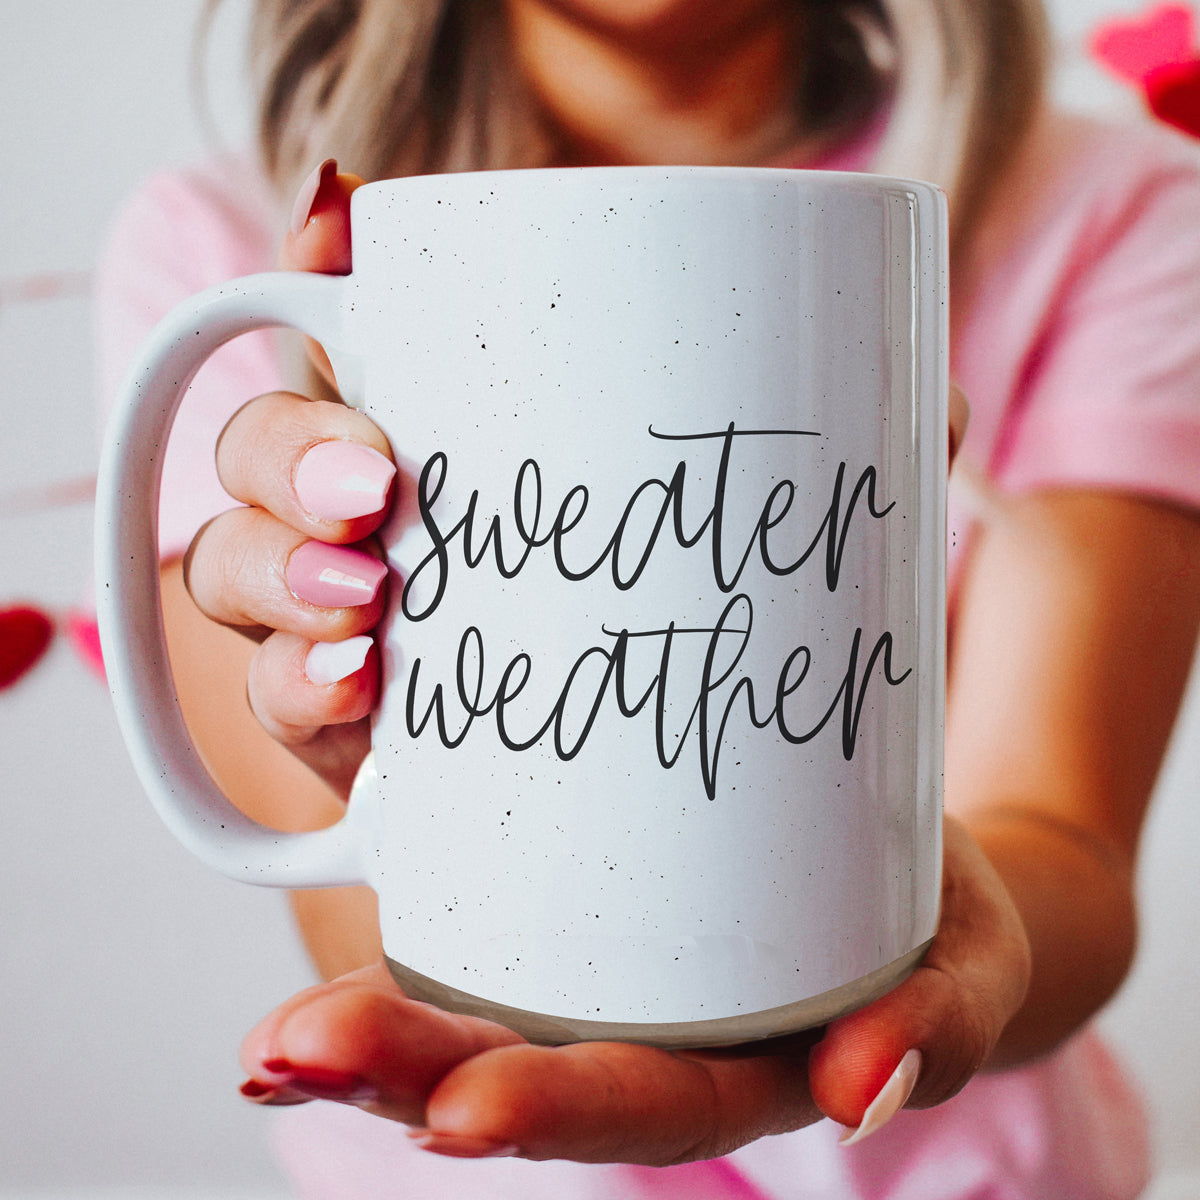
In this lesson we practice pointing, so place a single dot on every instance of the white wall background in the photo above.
(128, 973)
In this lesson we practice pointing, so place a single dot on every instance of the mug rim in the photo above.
(660, 173)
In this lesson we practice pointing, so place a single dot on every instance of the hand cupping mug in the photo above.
(659, 751)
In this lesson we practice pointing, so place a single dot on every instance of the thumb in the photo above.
(952, 1009)
(318, 237)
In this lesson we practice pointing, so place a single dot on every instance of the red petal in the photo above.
(25, 635)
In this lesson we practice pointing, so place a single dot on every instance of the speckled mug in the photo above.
(659, 752)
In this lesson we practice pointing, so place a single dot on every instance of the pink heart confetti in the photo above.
(85, 638)
(1133, 47)
(1173, 92)
(25, 635)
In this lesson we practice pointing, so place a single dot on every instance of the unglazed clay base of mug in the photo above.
(547, 1030)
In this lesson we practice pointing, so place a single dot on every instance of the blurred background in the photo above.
(129, 973)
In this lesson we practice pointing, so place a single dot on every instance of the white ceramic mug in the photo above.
(659, 752)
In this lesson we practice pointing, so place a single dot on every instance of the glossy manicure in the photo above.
(461, 1147)
(298, 1085)
(306, 197)
(334, 576)
(321, 1083)
(331, 662)
(337, 481)
(271, 1096)
(891, 1099)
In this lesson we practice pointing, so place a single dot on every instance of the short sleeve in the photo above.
(1111, 393)
(176, 235)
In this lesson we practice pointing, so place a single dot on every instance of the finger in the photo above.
(247, 570)
(960, 414)
(319, 236)
(613, 1102)
(391, 1051)
(315, 698)
(477, 1087)
(324, 469)
(952, 1009)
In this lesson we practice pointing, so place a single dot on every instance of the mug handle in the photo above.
(129, 608)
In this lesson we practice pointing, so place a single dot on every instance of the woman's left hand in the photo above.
(471, 1088)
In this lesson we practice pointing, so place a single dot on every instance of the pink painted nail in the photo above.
(463, 1147)
(334, 576)
(303, 206)
(337, 480)
(331, 662)
(891, 1099)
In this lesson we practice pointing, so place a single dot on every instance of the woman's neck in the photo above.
(716, 89)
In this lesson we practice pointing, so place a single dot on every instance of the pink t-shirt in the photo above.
(1077, 339)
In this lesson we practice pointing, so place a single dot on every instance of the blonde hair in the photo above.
(971, 77)
(392, 88)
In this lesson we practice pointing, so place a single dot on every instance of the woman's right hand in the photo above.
(297, 464)
(297, 568)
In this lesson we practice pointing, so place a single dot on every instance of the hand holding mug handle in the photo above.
(128, 604)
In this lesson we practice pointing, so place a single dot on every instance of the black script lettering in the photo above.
(529, 479)
(711, 712)
(436, 707)
(429, 489)
(850, 700)
(710, 748)
(516, 674)
(833, 532)
(659, 686)
(627, 562)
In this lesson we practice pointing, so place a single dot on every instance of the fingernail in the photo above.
(319, 1083)
(271, 1096)
(334, 576)
(463, 1147)
(891, 1099)
(297, 1084)
(336, 480)
(299, 1091)
(331, 662)
(306, 197)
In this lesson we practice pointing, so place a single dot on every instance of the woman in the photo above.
(1073, 615)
